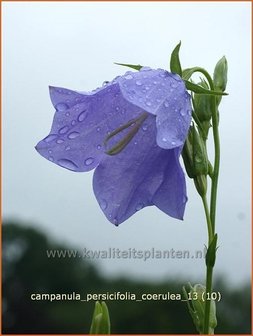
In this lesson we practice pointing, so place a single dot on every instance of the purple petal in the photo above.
(76, 140)
(137, 177)
(172, 203)
(163, 94)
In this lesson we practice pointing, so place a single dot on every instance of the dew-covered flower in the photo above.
(132, 131)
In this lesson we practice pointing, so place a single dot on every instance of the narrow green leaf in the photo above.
(211, 252)
(105, 323)
(175, 65)
(132, 66)
(199, 89)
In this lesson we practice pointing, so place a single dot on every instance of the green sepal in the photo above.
(199, 89)
(211, 252)
(175, 65)
(100, 321)
(132, 66)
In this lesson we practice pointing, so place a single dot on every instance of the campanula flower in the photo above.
(131, 130)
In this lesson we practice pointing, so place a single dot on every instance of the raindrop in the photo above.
(67, 114)
(117, 108)
(105, 83)
(50, 151)
(63, 130)
(166, 104)
(50, 137)
(139, 206)
(135, 142)
(182, 112)
(59, 141)
(184, 199)
(89, 161)
(173, 143)
(144, 127)
(174, 84)
(98, 129)
(51, 158)
(73, 135)
(115, 222)
(103, 204)
(60, 107)
(67, 148)
(138, 82)
(198, 159)
(148, 103)
(99, 147)
(189, 112)
(67, 164)
(155, 82)
(147, 87)
(82, 116)
(164, 140)
(129, 77)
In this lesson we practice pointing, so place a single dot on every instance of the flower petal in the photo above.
(76, 140)
(136, 178)
(163, 94)
(172, 203)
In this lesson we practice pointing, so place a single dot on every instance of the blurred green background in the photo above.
(27, 270)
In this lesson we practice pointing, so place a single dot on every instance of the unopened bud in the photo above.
(194, 154)
(203, 104)
(197, 308)
(220, 75)
(100, 321)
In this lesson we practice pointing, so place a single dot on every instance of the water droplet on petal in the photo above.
(115, 222)
(173, 143)
(182, 112)
(89, 161)
(60, 107)
(164, 140)
(103, 204)
(50, 137)
(82, 116)
(144, 127)
(184, 199)
(139, 206)
(174, 84)
(155, 82)
(50, 151)
(67, 148)
(128, 76)
(59, 141)
(98, 129)
(73, 122)
(73, 135)
(63, 130)
(138, 82)
(148, 103)
(105, 83)
(99, 147)
(67, 114)
(117, 108)
(166, 104)
(68, 164)
(51, 158)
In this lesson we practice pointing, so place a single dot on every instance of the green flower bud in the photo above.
(194, 154)
(197, 308)
(203, 104)
(201, 184)
(220, 75)
(100, 321)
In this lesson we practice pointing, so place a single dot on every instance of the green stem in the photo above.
(208, 220)
(209, 277)
(216, 163)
